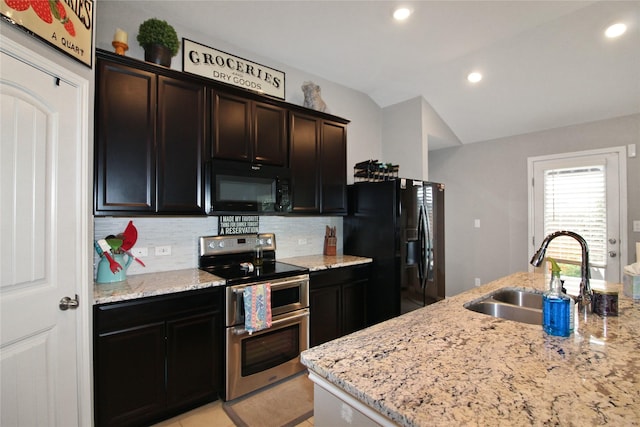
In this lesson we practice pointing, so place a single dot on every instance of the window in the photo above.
(575, 199)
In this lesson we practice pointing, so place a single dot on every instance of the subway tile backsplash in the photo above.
(295, 236)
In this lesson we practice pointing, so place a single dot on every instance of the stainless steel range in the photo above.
(256, 360)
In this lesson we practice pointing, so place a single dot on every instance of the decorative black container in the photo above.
(158, 54)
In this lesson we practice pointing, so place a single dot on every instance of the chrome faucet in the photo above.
(584, 299)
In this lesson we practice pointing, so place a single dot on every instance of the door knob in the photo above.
(613, 254)
(612, 241)
(69, 303)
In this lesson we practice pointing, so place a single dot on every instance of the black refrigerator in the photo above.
(400, 225)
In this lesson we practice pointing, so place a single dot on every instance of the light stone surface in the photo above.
(444, 365)
(324, 262)
(152, 284)
(160, 283)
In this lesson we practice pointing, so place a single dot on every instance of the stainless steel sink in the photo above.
(519, 297)
(511, 304)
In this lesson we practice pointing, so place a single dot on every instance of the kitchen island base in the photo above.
(333, 407)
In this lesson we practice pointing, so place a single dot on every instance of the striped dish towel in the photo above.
(257, 307)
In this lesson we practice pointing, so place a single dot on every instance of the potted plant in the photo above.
(159, 41)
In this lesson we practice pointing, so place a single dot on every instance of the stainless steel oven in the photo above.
(264, 357)
(253, 361)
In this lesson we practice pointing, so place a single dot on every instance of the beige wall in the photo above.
(488, 181)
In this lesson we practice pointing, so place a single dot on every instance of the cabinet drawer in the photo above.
(334, 276)
(120, 315)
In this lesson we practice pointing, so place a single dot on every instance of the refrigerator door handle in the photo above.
(422, 236)
(429, 248)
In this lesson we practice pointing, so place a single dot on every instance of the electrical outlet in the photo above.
(636, 226)
(140, 252)
(477, 281)
(476, 223)
(302, 241)
(163, 250)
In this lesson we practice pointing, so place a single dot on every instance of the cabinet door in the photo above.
(124, 150)
(353, 306)
(334, 168)
(180, 141)
(325, 319)
(193, 359)
(269, 134)
(305, 162)
(130, 375)
(231, 122)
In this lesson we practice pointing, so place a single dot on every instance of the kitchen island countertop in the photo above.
(446, 365)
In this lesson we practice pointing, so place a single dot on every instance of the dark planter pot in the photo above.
(158, 54)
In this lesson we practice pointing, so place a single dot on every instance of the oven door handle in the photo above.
(278, 322)
(276, 284)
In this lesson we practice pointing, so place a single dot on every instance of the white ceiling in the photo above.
(546, 64)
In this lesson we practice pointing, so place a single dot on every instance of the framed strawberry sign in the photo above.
(65, 24)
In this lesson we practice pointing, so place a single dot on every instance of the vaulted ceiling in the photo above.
(545, 64)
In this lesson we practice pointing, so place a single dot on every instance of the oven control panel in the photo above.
(219, 245)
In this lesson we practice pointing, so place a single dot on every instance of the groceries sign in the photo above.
(223, 67)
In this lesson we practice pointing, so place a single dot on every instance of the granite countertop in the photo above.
(324, 262)
(152, 284)
(167, 282)
(446, 365)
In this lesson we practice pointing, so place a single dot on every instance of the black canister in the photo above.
(605, 303)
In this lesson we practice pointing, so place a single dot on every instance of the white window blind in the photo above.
(575, 200)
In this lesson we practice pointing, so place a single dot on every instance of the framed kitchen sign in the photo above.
(223, 67)
(66, 25)
(238, 224)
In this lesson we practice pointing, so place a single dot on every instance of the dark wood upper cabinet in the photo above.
(150, 134)
(333, 157)
(248, 130)
(270, 134)
(180, 140)
(305, 161)
(156, 129)
(231, 116)
(318, 164)
(125, 153)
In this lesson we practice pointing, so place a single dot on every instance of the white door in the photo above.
(581, 192)
(43, 224)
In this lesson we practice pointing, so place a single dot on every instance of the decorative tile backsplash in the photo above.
(295, 236)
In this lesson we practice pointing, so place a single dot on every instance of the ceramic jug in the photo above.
(105, 275)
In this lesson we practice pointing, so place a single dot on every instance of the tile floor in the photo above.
(210, 415)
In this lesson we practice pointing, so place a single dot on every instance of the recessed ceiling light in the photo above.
(474, 77)
(615, 30)
(401, 13)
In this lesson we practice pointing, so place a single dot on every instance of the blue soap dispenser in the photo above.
(556, 311)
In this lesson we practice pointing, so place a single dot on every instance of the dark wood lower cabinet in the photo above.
(190, 371)
(156, 357)
(130, 375)
(325, 314)
(337, 301)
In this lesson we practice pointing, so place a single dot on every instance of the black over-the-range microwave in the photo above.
(239, 187)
